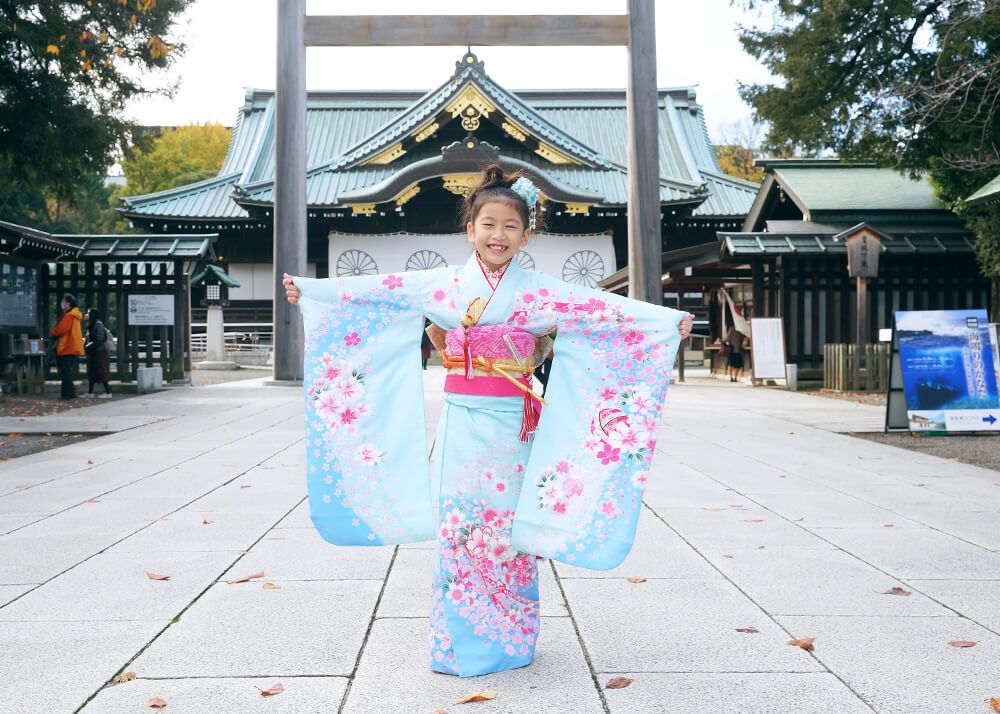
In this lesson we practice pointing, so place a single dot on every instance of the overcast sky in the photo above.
(231, 46)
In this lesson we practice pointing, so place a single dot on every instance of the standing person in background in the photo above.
(425, 345)
(70, 346)
(98, 371)
(734, 360)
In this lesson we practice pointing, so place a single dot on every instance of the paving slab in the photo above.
(657, 552)
(300, 628)
(811, 581)
(186, 531)
(11, 592)
(92, 420)
(725, 527)
(301, 554)
(978, 600)
(393, 675)
(715, 692)
(678, 626)
(115, 586)
(904, 664)
(301, 695)
(920, 553)
(56, 666)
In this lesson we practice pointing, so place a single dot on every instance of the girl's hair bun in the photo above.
(494, 186)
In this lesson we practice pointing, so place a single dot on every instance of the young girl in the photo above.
(504, 486)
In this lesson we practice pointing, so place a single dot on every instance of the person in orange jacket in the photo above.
(70, 346)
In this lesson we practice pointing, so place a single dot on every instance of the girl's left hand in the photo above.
(686, 325)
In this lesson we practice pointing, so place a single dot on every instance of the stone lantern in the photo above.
(216, 283)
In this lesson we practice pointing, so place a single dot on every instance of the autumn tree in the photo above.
(67, 70)
(912, 84)
(175, 157)
(739, 147)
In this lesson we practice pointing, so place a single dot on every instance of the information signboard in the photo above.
(767, 346)
(18, 296)
(946, 359)
(150, 309)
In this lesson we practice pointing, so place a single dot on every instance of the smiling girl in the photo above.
(509, 482)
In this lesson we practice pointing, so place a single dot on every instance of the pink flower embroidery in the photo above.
(440, 295)
(609, 507)
(608, 394)
(572, 487)
(633, 337)
(392, 282)
(562, 466)
(559, 507)
(607, 454)
(348, 416)
(593, 305)
(528, 297)
(501, 487)
(352, 340)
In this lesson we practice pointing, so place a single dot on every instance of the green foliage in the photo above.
(67, 70)
(985, 223)
(912, 84)
(176, 157)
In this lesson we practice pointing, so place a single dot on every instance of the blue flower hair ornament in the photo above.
(526, 189)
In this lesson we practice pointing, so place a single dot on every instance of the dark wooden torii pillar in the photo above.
(296, 31)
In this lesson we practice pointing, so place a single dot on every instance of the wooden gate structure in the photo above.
(104, 271)
(297, 31)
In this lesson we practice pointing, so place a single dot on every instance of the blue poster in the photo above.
(946, 357)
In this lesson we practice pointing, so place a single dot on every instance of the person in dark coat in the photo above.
(96, 345)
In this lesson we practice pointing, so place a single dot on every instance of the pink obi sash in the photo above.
(488, 341)
(484, 386)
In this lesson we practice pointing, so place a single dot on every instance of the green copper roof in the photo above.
(344, 128)
(750, 244)
(830, 185)
(987, 195)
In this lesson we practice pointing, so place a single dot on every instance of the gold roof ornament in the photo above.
(460, 184)
(426, 131)
(408, 194)
(471, 105)
(387, 156)
(552, 154)
(514, 130)
(362, 209)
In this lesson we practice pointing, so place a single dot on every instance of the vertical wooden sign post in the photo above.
(296, 31)
(864, 245)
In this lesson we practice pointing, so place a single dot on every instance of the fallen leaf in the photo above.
(478, 697)
(962, 643)
(90, 461)
(994, 702)
(207, 522)
(272, 690)
(277, 538)
(753, 520)
(247, 486)
(618, 683)
(736, 505)
(154, 576)
(92, 500)
(636, 579)
(711, 509)
(726, 555)
(805, 643)
(271, 586)
(124, 677)
(246, 578)
(156, 703)
(889, 525)
(896, 590)
(748, 630)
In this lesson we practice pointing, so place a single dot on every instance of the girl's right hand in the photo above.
(292, 293)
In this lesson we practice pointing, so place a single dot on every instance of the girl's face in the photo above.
(497, 233)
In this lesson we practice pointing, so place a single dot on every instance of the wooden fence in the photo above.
(846, 368)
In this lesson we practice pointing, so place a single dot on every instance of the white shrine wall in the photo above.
(578, 259)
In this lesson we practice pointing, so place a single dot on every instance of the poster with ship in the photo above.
(947, 363)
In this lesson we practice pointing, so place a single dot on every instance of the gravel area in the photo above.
(977, 449)
(874, 398)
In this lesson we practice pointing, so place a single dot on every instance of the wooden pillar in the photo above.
(289, 185)
(862, 303)
(644, 241)
(757, 287)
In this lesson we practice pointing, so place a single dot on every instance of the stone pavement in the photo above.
(758, 515)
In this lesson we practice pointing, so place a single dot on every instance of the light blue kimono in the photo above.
(491, 501)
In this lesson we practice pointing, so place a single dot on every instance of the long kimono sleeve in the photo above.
(585, 478)
(367, 475)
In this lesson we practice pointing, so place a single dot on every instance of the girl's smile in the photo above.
(497, 233)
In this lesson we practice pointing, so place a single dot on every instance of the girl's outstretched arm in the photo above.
(292, 293)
